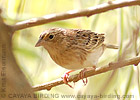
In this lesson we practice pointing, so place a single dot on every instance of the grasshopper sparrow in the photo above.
(73, 48)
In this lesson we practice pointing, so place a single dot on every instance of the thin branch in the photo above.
(75, 78)
(75, 13)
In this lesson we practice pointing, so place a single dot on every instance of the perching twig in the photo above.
(75, 13)
(75, 78)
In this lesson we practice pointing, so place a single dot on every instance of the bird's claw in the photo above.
(66, 78)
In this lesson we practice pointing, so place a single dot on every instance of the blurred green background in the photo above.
(121, 27)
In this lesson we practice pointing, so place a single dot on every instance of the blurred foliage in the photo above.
(121, 27)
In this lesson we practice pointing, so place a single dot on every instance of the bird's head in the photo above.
(51, 38)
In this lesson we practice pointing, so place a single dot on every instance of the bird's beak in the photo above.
(38, 43)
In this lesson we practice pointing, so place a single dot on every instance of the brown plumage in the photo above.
(73, 48)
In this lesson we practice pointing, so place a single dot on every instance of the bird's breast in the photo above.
(77, 59)
(70, 59)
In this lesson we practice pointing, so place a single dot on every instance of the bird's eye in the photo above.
(51, 37)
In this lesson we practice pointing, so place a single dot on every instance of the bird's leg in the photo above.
(66, 77)
(82, 74)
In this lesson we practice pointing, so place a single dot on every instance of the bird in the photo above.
(73, 49)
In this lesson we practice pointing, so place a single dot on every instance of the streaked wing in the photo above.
(86, 39)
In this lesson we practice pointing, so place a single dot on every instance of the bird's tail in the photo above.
(111, 46)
